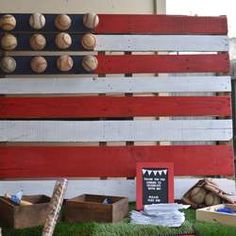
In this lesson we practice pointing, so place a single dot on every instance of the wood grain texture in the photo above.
(135, 24)
(114, 64)
(128, 64)
(105, 131)
(110, 106)
(108, 161)
(184, 43)
(160, 24)
(116, 187)
(191, 43)
(78, 209)
(95, 85)
(17, 217)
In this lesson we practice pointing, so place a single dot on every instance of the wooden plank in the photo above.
(23, 65)
(23, 40)
(22, 25)
(116, 187)
(112, 161)
(113, 64)
(161, 43)
(204, 43)
(94, 85)
(160, 24)
(128, 64)
(191, 43)
(104, 131)
(110, 106)
(135, 24)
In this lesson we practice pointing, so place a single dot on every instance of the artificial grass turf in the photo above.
(126, 229)
(96, 229)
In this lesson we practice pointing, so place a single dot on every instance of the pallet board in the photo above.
(135, 24)
(115, 64)
(111, 106)
(184, 43)
(120, 187)
(112, 131)
(87, 161)
(162, 63)
(115, 85)
(51, 121)
(23, 23)
(160, 24)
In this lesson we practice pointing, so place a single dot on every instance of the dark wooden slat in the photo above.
(22, 23)
(109, 106)
(24, 39)
(88, 161)
(23, 66)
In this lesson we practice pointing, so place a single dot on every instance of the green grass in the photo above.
(124, 228)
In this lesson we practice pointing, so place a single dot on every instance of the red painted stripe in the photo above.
(88, 161)
(107, 106)
(160, 24)
(162, 63)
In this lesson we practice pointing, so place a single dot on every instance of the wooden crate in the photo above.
(19, 217)
(209, 214)
(88, 207)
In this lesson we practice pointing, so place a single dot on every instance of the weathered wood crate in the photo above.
(88, 207)
(19, 217)
(209, 214)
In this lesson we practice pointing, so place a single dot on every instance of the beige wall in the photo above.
(81, 6)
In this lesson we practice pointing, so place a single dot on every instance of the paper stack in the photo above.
(160, 214)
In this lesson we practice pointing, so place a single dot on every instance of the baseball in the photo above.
(212, 199)
(8, 42)
(65, 63)
(198, 195)
(63, 40)
(37, 42)
(88, 41)
(8, 64)
(38, 64)
(90, 63)
(8, 22)
(63, 22)
(90, 20)
(37, 21)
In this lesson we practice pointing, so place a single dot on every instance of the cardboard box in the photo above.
(209, 214)
(86, 208)
(18, 217)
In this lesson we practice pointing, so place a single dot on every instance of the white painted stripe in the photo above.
(203, 43)
(117, 187)
(95, 131)
(115, 85)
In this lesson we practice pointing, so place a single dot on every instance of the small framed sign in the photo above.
(154, 183)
